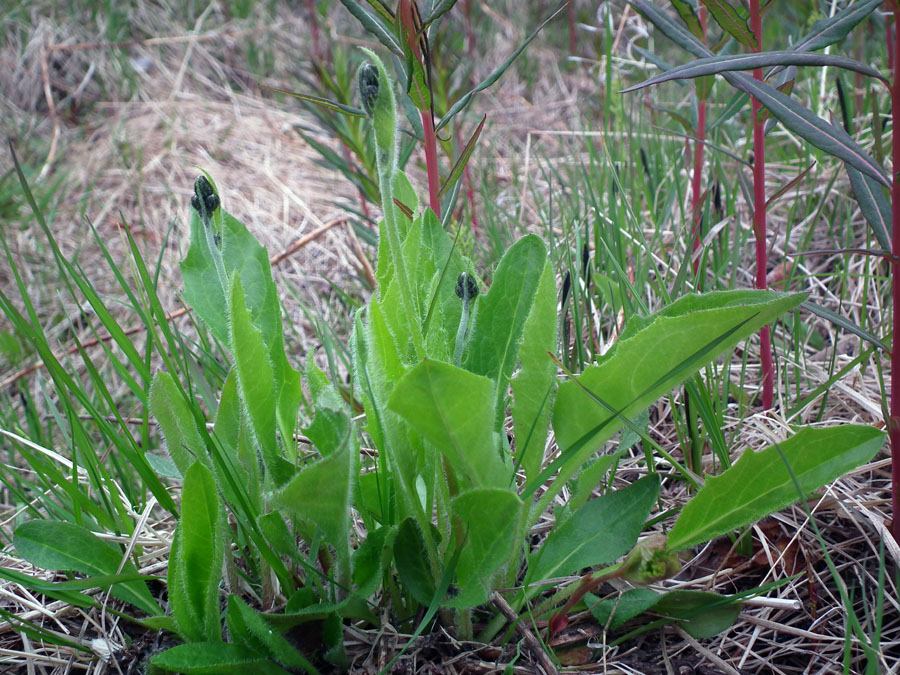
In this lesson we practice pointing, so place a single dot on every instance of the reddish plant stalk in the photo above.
(697, 177)
(314, 29)
(759, 215)
(431, 162)
(894, 421)
(470, 33)
(410, 26)
(573, 38)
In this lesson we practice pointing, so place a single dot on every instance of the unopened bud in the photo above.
(368, 86)
(466, 287)
(649, 561)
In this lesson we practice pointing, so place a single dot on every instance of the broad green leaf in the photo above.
(322, 494)
(653, 355)
(214, 658)
(495, 337)
(249, 629)
(463, 101)
(372, 558)
(875, 207)
(759, 483)
(256, 383)
(177, 423)
(731, 22)
(714, 65)
(613, 612)
(195, 567)
(453, 409)
(412, 563)
(53, 545)
(596, 534)
(491, 519)
(534, 388)
(700, 613)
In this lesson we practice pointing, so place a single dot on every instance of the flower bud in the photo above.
(205, 200)
(368, 86)
(649, 561)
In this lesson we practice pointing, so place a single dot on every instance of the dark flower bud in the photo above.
(466, 287)
(205, 200)
(368, 86)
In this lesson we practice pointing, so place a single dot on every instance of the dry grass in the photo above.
(126, 129)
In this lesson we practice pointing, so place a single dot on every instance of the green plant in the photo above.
(449, 501)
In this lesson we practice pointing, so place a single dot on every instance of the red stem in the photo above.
(314, 29)
(759, 215)
(894, 421)
(470, 33)
(431, 162)
(697, 177)
(573, 39)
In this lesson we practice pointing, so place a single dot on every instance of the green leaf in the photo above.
(652, 356)
(599, 532)
(875, 207)
(534, 388)
(412, 564)
(322, 494)
(214, 658)
(714, 65)
(495, 337)
(700, 613)
(256, 383)
(686, 12)
(249, 629)
(177, 423)
(334, 106)
(195, 565)
(463, 159)
(454, 410)
(843, 322)
(464, 100)
(491, 518)
(731, 22)
(613, 612)
(760, 483)
(63, 591)
(372, 558)
(829, 30)
(53, 545)
(374, 25)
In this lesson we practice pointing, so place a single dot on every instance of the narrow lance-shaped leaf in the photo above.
(760, 483)
(690, 18)
(731, 22)
(875, 207)
(829, 30)
(463, 159)
(334, 106)
(494, 76)
(714, 65)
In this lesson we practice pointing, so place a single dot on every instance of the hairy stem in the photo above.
(894, 421)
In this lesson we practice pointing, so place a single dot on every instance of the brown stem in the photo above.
(894, 421)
